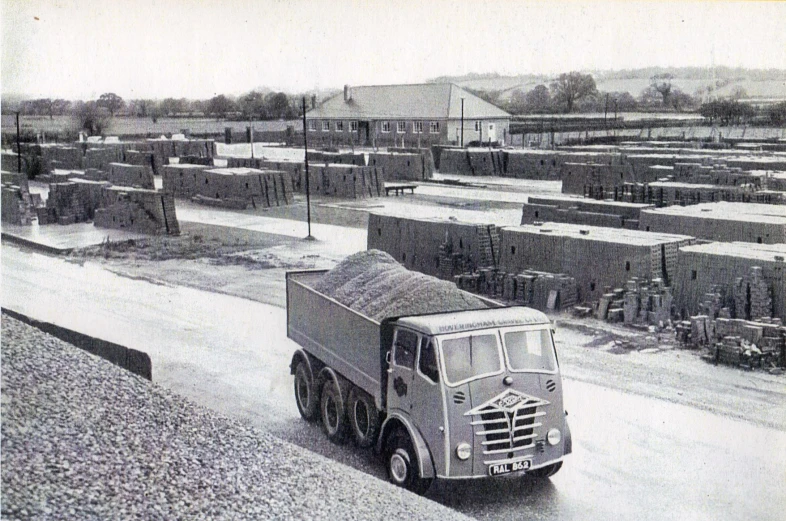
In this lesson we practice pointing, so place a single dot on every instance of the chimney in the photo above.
(313, 101)
(347, 93)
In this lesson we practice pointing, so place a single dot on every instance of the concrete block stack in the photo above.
(196, 160)
(71, 202)
(123, 174)
(438, 247)
(346, 181)
(59, 156)
(180, 179)
(238, 187)
(646, 302)
(15, 179)
(427, 158)
(596, 257)
(533, 213)
(100, 158)
(596, 181)
(401, 166)
(336, 158)
(726, 269)
(721, 221)
(94, 174)
(202, 148)
(138, 210)
(145, 159)
(16, 206)
(532, 164)
(472, 161)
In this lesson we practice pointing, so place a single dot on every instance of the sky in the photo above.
(78, 49)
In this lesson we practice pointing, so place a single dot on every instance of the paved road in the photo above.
(635, 457)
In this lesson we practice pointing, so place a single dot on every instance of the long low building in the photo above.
(598, 258)
(750, 279)
(721, 221)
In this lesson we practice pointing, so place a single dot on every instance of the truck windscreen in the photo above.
(531, 350)
(470, 357)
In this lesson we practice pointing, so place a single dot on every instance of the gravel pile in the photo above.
(83, 439)
(374, 284)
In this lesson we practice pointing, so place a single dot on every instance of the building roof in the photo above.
(725, 211)
(416, 101)
(599, 234)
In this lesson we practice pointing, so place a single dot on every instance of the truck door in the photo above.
(414, 389)
(401, 370)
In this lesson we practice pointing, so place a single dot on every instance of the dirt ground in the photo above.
(252, 265)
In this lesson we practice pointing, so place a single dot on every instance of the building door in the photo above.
(363, 132)
(492, 133)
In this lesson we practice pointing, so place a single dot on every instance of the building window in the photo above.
(326, 126)
(478, 126)
(491, 127)
(401, 127)
(417, 127)
(312, 125)
(353, 126)
(386, 126)
(339, 126)
(433, 127)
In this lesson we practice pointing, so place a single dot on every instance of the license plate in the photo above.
(507, 468)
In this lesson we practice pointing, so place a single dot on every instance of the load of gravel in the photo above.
(374, 284)
(83, 439)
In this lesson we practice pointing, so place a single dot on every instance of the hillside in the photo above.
(757, 83)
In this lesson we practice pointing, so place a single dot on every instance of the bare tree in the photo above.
(572, 87)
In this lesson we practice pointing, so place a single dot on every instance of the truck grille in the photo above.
(508, 422)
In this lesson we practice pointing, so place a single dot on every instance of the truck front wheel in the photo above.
(305, 393)
(363, 417)
(402, 464)
(334, 416)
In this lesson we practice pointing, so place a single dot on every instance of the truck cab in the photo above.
(480, 389)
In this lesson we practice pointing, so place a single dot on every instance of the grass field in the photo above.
(144, 126)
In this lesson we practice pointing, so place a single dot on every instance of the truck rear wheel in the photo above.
(363, 417)
(305, 393)
(333, 413)
(546, 472)
(402, 464)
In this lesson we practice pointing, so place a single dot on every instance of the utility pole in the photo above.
(462, 122)
(606, 111)
(18, 149)
(309, 237)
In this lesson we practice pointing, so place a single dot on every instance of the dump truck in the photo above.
(451, 395)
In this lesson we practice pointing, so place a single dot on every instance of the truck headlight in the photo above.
(554, 436)
(463, 451)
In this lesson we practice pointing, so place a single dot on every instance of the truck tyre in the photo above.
(333, 413)
(363, 417)
(305, 393)
(402, 463)
(546, 472)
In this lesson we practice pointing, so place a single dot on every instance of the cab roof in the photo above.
(457, 322)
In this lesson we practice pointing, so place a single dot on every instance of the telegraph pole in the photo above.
(309, 237)
(18, 148)
(462, 122)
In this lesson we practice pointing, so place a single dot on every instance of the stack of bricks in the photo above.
(597, 181)
(427, 158)
(196, 160)
(537, 289)
(647, 303)
(123, 174)
(138, 210)
(181, 180)
(16, 206)
(336, 158)
(752, 295)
